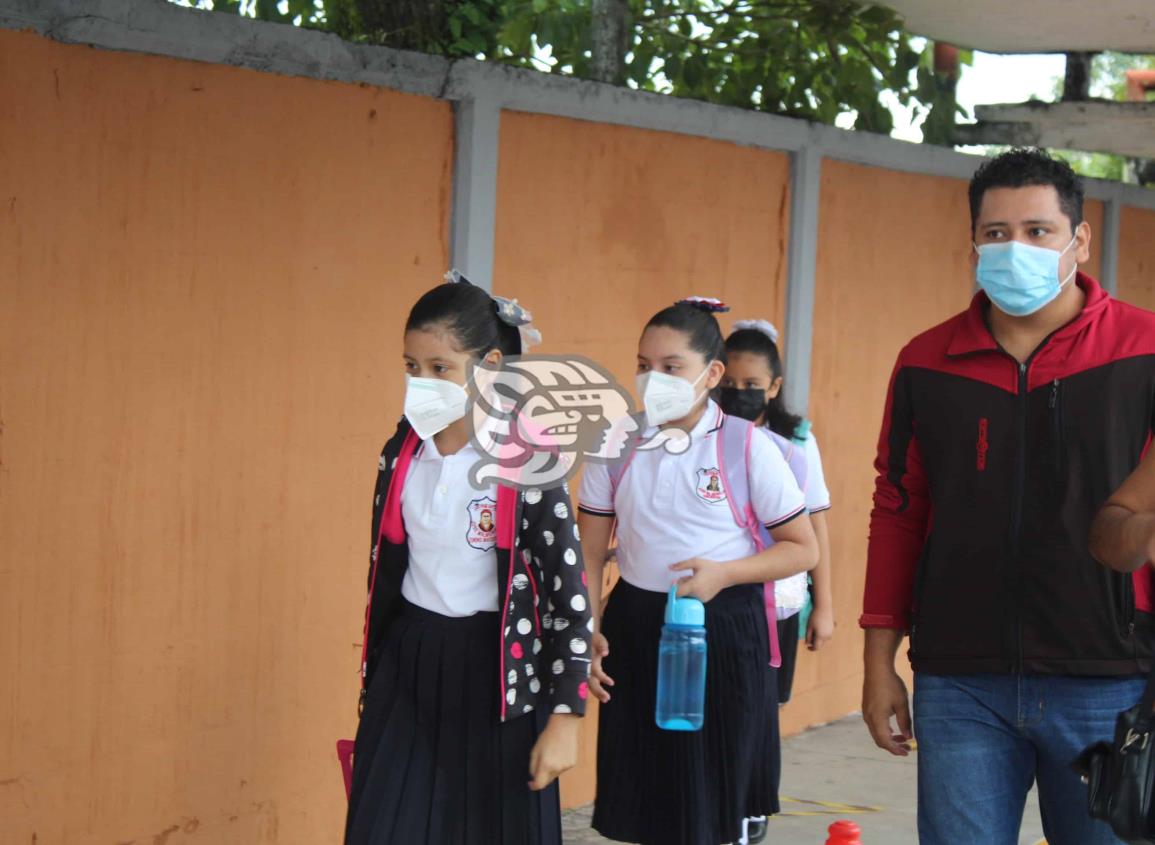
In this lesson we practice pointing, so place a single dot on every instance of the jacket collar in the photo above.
(972, 334)
(393, 523)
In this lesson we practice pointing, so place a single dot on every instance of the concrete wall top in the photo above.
(159, 27)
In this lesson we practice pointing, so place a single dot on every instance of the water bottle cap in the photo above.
(685, 611)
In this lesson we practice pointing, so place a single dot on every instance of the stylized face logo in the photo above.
(577, 419)
(535, 418)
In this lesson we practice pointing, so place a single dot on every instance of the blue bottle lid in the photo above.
(687, 611)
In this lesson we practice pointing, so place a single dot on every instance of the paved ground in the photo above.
(832, 773)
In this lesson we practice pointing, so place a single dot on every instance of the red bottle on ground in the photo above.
(844, 833)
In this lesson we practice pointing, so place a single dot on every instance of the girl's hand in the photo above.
(708, 580)
(555, 751)
(820, 627)
(599, 680)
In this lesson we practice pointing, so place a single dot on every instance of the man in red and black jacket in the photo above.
(1005, 429)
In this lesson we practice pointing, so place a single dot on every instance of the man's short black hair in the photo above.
(1022, 167)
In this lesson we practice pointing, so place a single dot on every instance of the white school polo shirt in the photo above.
(452, 530)
(790, 593)
(817, 494)
(672, 507)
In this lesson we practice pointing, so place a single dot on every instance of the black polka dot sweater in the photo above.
(546, 623)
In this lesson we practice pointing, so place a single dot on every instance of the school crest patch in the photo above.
(709, 485)
(482, 524)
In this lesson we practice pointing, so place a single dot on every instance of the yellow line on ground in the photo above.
(800, 815)
(832, 806)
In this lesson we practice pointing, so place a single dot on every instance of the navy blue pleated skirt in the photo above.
(659, 787)
(767, 774)
(768, 765)
(433, 763)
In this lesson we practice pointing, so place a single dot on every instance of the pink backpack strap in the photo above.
(734, 462)
(392, 529)
(345, 756)
(733, 443)
(392, 525)
(506, 516)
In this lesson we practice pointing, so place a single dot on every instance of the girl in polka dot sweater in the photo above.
(478, 625)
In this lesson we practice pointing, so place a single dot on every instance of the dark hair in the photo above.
(778, 419)
(698, 324)
(1022, 167)
(467, 313)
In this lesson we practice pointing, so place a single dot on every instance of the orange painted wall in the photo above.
(202, 275)
(1093, 214)
(599, 227)
(892, 262)
(1137, 256)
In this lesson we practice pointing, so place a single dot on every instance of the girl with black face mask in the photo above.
(752, 388)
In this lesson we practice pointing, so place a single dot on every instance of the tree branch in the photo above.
(738, 8)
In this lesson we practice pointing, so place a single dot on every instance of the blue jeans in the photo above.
(984, 739)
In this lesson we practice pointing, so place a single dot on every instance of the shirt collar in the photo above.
(429, 452)
(973, 334)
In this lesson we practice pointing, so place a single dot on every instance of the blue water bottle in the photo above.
(681, 704)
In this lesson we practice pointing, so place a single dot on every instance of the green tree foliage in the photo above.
(936, 89)
(814, 59)
(807, 58)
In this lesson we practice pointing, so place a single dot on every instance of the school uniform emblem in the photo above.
(709, 487)
(482, 528)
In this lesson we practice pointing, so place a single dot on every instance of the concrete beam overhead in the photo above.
(1126, 129)
(1034, 26)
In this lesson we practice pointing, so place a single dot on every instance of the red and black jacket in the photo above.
(989, 474)
(540, 576)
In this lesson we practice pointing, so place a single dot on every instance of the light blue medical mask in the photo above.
(1020, 279)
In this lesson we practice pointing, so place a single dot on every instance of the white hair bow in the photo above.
(509, 311)
(765, 326)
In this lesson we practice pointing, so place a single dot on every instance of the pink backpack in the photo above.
(733, 442)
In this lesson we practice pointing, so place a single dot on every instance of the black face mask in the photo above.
(747, 403)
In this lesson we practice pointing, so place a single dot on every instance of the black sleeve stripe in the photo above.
(594, 512)
(772, 525)
(821, 509)
(900, 415)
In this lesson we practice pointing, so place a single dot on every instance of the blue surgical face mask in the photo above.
(1020, 279)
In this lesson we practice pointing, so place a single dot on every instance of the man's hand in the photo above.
(1123, 533)
(555, 751)
(884, 696)
(599, 680)
(820, 626)
(709, 578)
